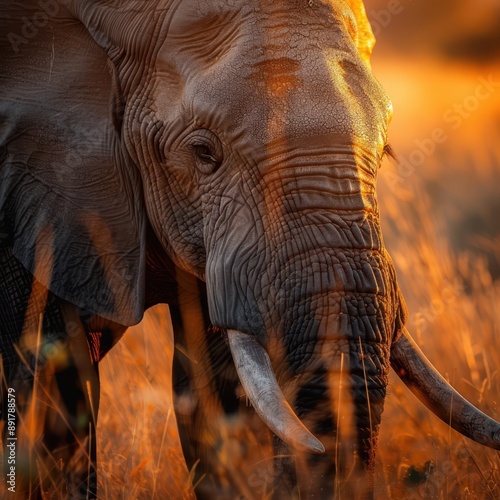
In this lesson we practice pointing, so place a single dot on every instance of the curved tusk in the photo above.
(259, 382)
(416, 371)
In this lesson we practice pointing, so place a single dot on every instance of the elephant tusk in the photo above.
(259, 382)
(416, 371)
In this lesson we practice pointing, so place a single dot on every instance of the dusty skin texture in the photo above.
(221, 158)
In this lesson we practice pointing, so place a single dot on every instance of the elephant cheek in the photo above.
(232, 310)
(235, 257)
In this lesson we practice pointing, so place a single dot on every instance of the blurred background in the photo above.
(440, 206)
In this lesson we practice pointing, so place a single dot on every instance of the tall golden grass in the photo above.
(453, 301)
(454, 316)
(440, 227)
(139, 452)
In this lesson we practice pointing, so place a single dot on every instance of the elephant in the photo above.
(219, 157)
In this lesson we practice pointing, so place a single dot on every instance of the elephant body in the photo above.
(220, 157)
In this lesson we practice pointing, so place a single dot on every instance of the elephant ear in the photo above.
(366, 38)
(71, 194)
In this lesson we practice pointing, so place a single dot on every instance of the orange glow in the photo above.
(451, 290)
(440, 213)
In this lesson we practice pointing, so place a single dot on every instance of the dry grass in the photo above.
(453, 301)
(139, 452)
(454, 316)
(441, 227)
(442, 230)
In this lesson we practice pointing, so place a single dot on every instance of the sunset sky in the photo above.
(431, 56)
(440, 225)
(440, 64)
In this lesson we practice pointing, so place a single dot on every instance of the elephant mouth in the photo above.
(410, 364)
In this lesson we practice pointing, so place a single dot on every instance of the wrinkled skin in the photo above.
(289, 242)
(220, 157)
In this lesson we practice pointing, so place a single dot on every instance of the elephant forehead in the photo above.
(290, 100)
(196, 16)
(202, 35)
(280, 68)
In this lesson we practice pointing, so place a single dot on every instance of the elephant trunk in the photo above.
(339, 395)
(337, 363)
(257, 377)
(311, 282)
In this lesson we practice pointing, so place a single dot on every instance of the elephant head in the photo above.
(248, 135)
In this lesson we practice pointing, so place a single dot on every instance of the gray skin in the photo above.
(220, 157)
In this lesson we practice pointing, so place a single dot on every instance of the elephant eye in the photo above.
(204, 154)
(206, 159)
(206, 150)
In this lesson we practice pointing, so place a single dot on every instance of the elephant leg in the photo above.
(205, 407)
(50, 390)
(215, 425)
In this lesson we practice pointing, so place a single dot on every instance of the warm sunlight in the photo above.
(439, 203)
